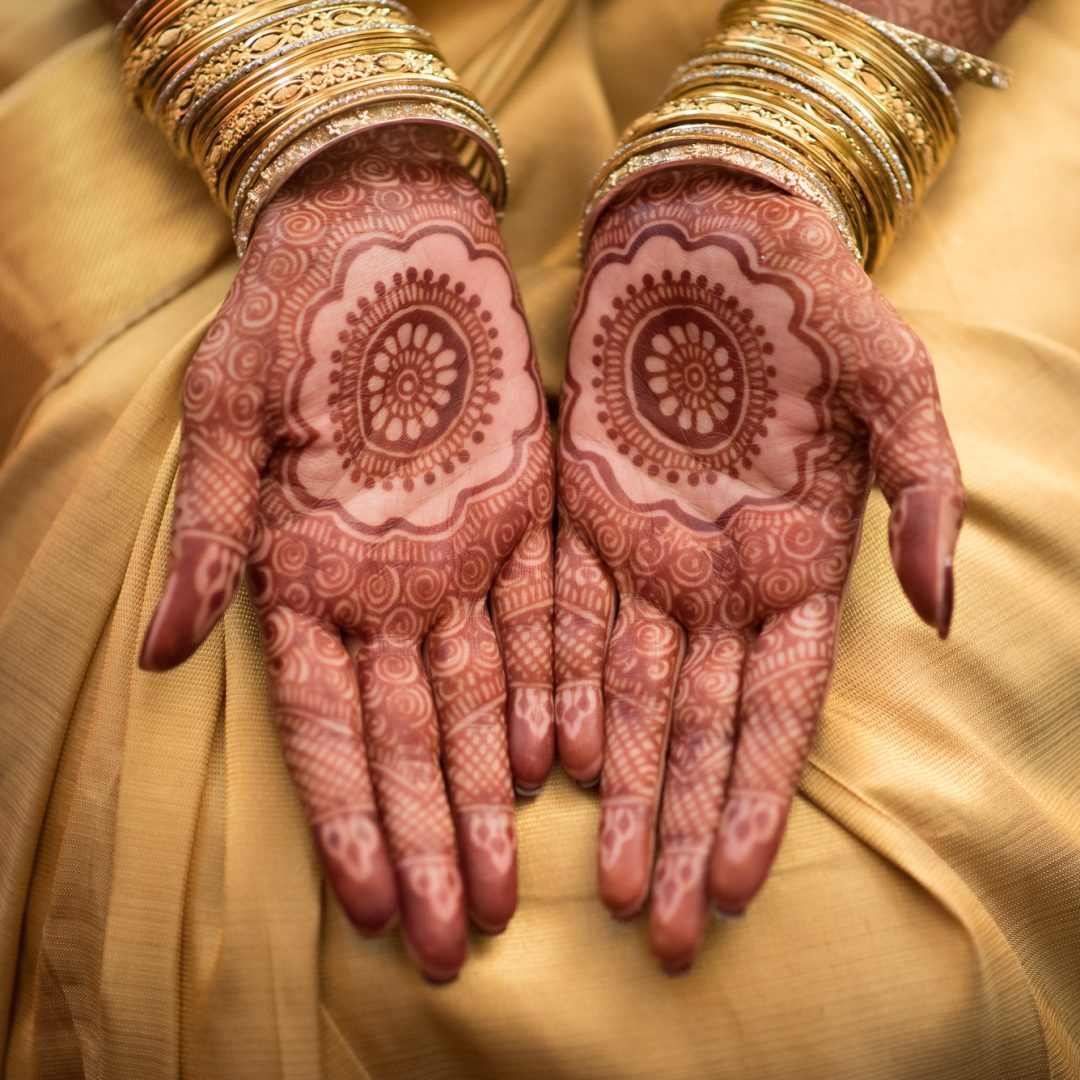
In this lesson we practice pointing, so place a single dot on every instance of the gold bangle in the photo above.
(254, 121)
(819, 90)
(269, 178)
(280, 87)
(473, 123)
(879, 177)
(196, 81)
(248, 90)
(920, 116)
(820, 96)
(695, 144)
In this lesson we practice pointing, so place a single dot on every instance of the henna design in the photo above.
(973, 25)
(733, 378)
(363, 427)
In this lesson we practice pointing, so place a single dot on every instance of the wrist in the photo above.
(383, 178)
(972, 25)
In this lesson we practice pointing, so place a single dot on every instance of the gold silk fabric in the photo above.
(161, 914)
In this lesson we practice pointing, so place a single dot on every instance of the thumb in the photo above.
(896, 397)
(221, 453)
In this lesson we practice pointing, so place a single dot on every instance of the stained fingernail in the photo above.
(434, 916)
(674, 971)
(489, 929)
(439, 978)
(945, 606)
(730, 916)
(144, 652)
(625, 856)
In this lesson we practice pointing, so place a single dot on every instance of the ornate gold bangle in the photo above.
(701, 143)
(248, 90)
(197, 80)
(818, 98)
(266, 177)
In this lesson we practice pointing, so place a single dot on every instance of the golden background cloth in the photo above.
(161, 914)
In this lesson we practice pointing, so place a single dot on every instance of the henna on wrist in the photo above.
(973, 25)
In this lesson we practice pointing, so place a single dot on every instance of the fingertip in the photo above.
(358, 868)
(625, 857)
(433, 914)
(679, 911)
(164, 646)
(727, 916)
(751, 830)
(147, 660)
(489, 860)
(923, 529)
(580, 731)
(530, 736)
(374, 911)
(945, 606)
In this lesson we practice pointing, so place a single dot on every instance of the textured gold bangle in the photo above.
(695, 144)
(255, 119)
(446, 102)
(815, 97)
(922, 131)
(818, 90)
(283, 82)
(248, 90)
(199, 79)
(945, 59)
(878, 175)
(267, 179)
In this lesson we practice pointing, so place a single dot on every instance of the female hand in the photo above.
(733, 378)
(363, 428)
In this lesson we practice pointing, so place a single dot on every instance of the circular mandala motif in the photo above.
(413, 381)
(684, 379)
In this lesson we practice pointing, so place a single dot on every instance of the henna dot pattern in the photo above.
(415, 367)
(685, 377)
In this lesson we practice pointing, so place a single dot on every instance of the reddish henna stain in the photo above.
(375, 527)
(725, 522)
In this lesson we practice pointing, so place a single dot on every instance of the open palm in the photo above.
(732, 374)
(363, 428)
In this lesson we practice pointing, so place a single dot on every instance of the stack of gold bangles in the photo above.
(842, 109)
(248, 90)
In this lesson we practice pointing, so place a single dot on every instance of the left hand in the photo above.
(733, 374)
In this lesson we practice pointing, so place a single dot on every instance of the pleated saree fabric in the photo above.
(161, 913)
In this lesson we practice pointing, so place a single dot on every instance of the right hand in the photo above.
(363, 427)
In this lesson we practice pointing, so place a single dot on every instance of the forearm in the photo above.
(974, 25)
(115, 8)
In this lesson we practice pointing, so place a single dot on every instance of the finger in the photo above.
(402, 737)
(318, 718)
(896, 396)
(584, 609)
(221, 452)
(470, 691)
(521, 603)
(702, 739)
(787, 676)
(639, 682)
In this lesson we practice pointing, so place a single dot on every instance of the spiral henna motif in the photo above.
(733, 376)
(363, 427)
